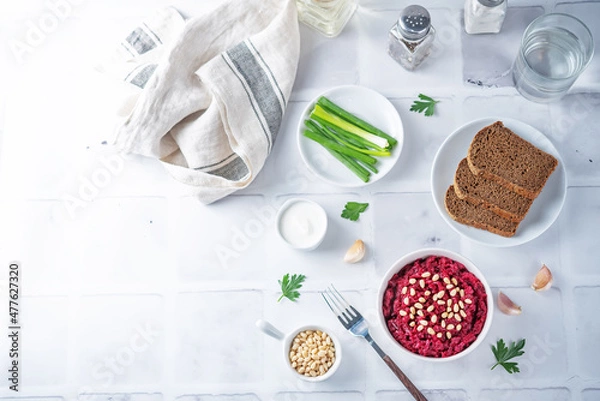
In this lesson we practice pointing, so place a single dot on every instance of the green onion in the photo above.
(329, 144)
(341, 113)
(338, 122)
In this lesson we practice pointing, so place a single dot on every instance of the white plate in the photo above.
(367, 105)
(544, 210)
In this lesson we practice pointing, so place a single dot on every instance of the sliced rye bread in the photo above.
(500, 155)
(476, 216)
(490, 195)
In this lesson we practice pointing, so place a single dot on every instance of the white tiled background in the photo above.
(127, 297)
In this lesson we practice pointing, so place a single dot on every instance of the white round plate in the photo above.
(545, 208)
(367, 105)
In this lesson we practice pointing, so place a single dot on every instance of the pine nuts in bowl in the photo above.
(435, 305)
(311, 353)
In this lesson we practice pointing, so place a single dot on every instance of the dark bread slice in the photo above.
(489, 194)
(476, 216)
(500, 155)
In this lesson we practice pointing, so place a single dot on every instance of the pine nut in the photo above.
(404, 289)
(446, 280)
(418, 305)
(402, 313)
(422, 283)
(412, 292)
(453, 292)
(450, 326)
(449, 286)
(423, 322)
(422, 300)
(462, 313)
(454, 281)
(412, 281)
(435, 277)
(430, 331)
(312, 353)
(419, 328)
(433, 318)
(468, 301)
(430, 308)
(406, 301)
(448, 335)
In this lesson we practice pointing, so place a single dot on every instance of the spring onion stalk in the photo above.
(354, 166)
(348, 136)
(333, 135)
(343, 114)
(338, 122)
(329, 144)
(370, 167)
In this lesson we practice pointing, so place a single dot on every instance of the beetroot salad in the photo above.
(435, 307)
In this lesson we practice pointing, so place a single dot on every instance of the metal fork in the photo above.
(353, 321)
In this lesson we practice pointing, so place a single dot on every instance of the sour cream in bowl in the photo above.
(435, 305)
(302, 223)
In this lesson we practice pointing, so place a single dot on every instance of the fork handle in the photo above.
(412, 389)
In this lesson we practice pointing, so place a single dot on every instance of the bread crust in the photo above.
(451, 200)
(515, 150)
(463, 178)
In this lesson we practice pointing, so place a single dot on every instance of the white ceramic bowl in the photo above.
(422, 253)
(367, 104)
(286, 340)
(319, 214)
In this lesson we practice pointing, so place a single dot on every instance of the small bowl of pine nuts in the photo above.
(311, 352)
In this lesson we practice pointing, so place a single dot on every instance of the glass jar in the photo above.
(411, 38)
(326, 16)
(484, 16)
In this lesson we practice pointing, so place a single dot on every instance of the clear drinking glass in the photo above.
(554, 51)
(326, 16)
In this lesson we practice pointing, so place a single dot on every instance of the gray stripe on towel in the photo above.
(235, 170)
(256, 77)
(141, 78)
(140, 41)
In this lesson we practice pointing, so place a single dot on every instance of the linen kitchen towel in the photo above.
(209, 94)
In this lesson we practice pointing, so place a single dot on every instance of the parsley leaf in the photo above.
(504, 353)
(290, 286)
(353, 209)
(426, 104)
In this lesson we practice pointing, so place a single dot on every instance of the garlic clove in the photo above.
(543, 279)
(356, 252)
(507, 306)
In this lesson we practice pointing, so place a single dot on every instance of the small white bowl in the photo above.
(286, 339)
(319, 215)
(422, 253)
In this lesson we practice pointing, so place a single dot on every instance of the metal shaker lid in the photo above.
(491, 3)
(414, 22)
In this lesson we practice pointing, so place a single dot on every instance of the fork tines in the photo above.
(339, 306)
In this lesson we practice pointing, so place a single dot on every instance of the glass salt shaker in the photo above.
(411, 38)
(326, 16)
(484, 16)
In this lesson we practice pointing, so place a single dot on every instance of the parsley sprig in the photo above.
(353, 209)
(290, 286)
(426, 104)
(504, 353)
